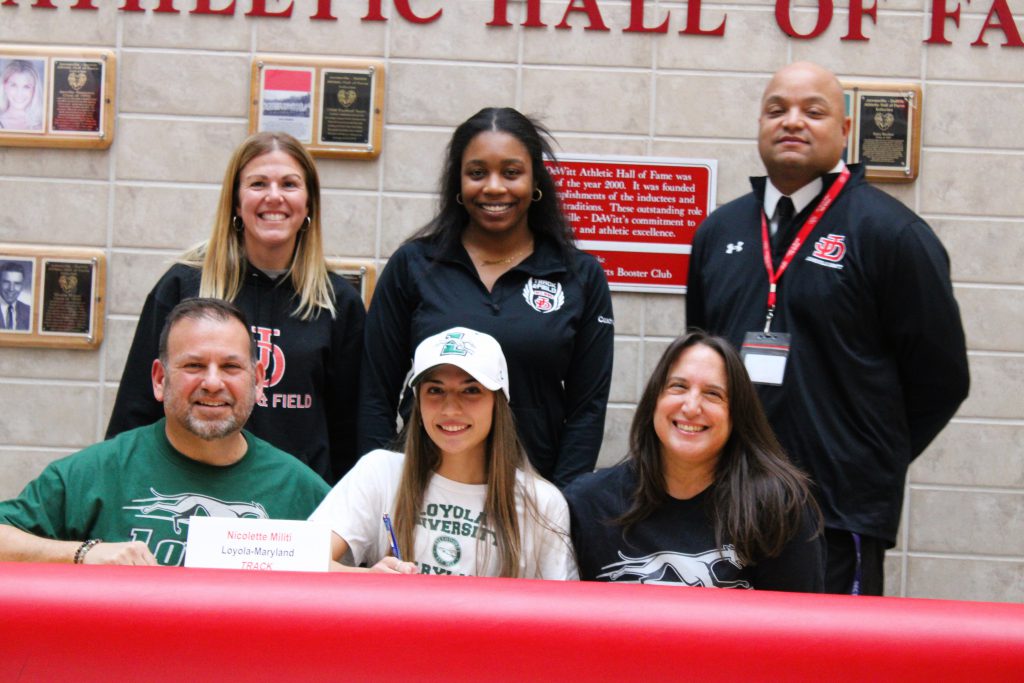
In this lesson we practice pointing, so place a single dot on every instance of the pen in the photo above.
(394, 541)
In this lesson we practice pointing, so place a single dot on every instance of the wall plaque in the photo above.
(885, 128)
(56, 97)
(360, 273)
(51, 296)
(334, 106)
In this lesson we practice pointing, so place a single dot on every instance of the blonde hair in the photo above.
(505, 456)
(22, 66)
(222, 257)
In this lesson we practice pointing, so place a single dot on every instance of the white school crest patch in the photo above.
(543, 296)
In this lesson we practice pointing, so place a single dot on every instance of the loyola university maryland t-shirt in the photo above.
(451, 528)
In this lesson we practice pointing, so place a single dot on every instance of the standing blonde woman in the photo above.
(266, 256)
(463, 496)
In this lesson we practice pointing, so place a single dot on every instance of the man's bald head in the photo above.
(803, 125)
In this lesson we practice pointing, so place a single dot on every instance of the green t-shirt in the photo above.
(137, 487)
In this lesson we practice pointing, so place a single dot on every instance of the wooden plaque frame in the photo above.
(897, 135)
(361, 273)
(69, 77)
(334, 106)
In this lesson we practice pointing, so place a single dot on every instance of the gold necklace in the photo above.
(501, 261)
(506, 260)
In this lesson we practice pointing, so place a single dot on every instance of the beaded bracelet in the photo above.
(84, 548)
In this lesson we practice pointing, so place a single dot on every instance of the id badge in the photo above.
(764, 355)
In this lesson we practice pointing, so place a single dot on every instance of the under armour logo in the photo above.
(733, 246)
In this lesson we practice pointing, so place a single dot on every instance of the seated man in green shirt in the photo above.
(138, 490)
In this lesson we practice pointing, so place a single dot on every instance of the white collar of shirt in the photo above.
(801, 198)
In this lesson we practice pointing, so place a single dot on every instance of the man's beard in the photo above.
(211, 430)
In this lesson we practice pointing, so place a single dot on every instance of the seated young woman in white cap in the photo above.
(463, 498)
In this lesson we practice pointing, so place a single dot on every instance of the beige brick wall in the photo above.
(182, 107)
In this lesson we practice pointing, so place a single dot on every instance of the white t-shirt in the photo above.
(450, 524)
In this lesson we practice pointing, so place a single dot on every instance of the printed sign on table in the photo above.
(637, 215)
(260, 544)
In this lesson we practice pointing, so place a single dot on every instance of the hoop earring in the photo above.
(458, 199)
(309, 222)
(237, 224)
(538, 194)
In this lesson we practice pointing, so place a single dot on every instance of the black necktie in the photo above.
(784, 210)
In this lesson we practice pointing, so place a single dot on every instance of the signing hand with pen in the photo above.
(393, 565)
(387, 565)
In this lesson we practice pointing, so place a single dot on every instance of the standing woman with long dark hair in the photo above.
(499, 258)
(706, 496)
(266, 256)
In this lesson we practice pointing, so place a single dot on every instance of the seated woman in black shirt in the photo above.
(706, 496)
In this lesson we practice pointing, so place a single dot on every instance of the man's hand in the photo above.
(130, 553)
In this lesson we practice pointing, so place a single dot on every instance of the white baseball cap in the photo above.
(477, 353)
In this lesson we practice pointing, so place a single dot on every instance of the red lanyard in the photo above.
(801, 237)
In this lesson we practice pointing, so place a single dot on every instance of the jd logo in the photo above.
(270, 354)
(831, 248)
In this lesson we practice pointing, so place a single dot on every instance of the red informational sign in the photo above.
(637, 215)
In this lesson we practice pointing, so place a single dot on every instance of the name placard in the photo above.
(258, 544)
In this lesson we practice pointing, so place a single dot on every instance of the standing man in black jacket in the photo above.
(841, 300)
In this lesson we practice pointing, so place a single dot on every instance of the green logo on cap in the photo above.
(453, 345)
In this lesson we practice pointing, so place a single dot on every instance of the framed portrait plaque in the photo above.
(334, 106)
(885, 132)
(56, 97)
(360, 273)
(51, 296)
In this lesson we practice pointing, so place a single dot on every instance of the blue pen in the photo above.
(394, 541)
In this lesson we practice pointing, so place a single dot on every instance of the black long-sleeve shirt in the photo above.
(552, 319)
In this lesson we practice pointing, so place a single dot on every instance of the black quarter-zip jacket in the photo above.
(878, 363)
(554, 323)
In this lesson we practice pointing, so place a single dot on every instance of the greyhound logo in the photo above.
(177, 508)
(668, 568)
